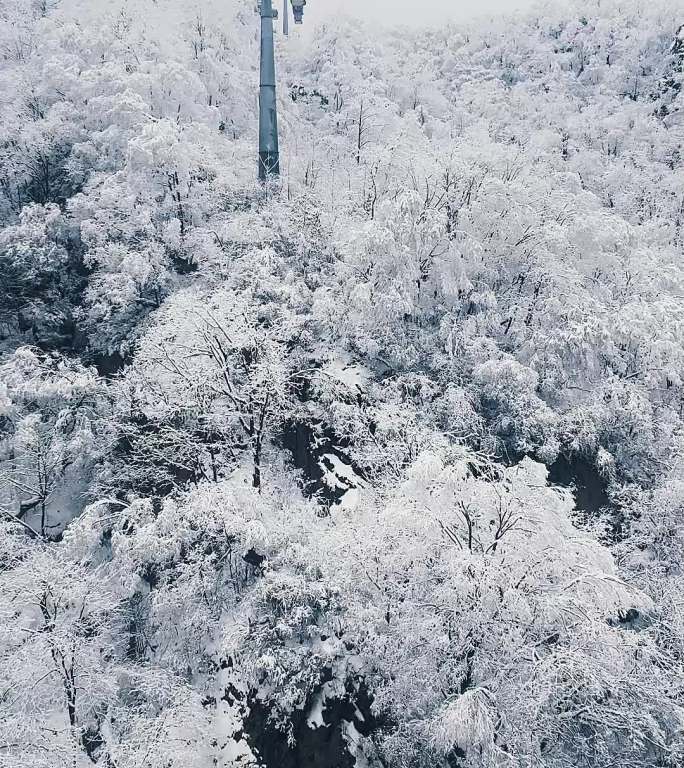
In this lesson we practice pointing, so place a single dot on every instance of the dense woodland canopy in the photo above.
(381, 464)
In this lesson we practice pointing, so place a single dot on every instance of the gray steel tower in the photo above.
(269, 161)
(269, 157)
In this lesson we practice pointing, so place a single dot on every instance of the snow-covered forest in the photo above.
(378, 465)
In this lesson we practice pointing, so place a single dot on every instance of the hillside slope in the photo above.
(376, 465)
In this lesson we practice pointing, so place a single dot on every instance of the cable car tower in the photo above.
(269, 156)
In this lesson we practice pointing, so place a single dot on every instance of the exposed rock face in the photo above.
(588, 485)
(324, 733)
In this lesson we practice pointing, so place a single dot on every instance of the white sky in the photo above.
(414, 12)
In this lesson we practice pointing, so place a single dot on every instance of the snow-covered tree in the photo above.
(314, 504)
